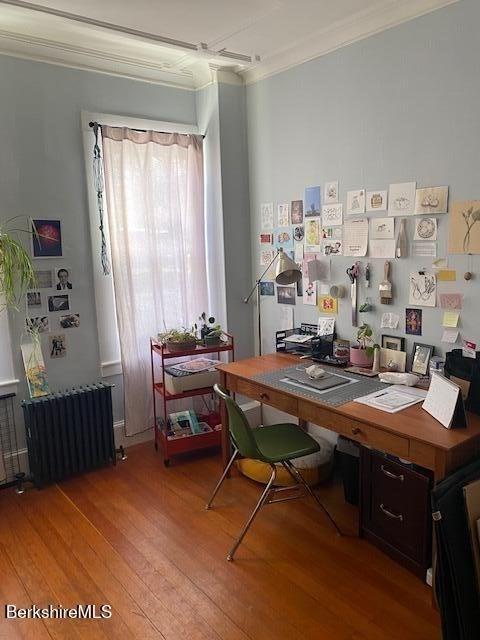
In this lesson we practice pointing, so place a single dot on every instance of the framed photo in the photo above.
(267, 288)
(392, 357)
(393, 342)
(46, 238)
(286, 295)
(59, 302)
(421, 358)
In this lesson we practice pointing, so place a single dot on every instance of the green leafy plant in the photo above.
(16, 268)
(178, 336)
(209, 328)
(366, 340)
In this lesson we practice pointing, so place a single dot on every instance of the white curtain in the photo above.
(154, 191)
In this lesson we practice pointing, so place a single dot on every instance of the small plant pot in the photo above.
(176, 347)
(360, 358)
(210, 341)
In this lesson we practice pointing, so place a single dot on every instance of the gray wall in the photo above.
(42, 174)
(399, 106)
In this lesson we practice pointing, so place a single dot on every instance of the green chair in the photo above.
(278, 443)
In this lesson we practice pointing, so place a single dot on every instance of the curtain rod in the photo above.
(92, 124)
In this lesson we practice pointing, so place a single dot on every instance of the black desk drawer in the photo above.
(395, 509)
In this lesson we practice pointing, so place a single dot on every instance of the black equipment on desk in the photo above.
(319, 348)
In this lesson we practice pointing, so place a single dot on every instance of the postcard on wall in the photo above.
(296, 211)
(389, 320)
(424, 249)
(450, 318)
(266, 256)
(451, 300)
(35, 369)
(312, 202)
(423, 289)
(431, 200)
(332, 215)
(464, 227)
(326, 326)
(440, 263)
(283, 214)
(309, 292)
(355, 237)
(332, 241)
(266, 238)
(284, 238)
(58, 303)
(356, 202)
(381, 248)
(298, 252)
(450, 336)
(377, 200)
(70, 321)
(425, 229)
(266, 213)
(286, 295)
(330, 194)
(43, 279)
(401, 199)
(327, 304)
(58, 346)
(298, 232)
(38, 324)
(34, 299)
(413, 322)
(267, 288)
(312, 231)
(46, 238)
(382, 228)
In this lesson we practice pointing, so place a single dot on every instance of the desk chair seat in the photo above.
(275, 444)
(280, 442)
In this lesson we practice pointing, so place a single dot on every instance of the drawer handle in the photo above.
(394, 516)
(356, 431)
(389, 474)
(264, 396)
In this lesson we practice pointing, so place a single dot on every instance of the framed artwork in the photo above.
(46, 238)
(413, 322)
(394, 343)
(267, 288)
(401, 199)
(389, 357)
(312, 202)
(464, 227)
(431, 200)
(286, 295)
(421, 355)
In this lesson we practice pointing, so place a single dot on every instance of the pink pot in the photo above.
(360, 358)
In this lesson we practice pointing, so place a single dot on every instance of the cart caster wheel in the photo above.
(166, 463)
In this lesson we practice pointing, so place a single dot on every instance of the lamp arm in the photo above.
(257, 282)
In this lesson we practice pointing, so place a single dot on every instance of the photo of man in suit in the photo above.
(63, 283)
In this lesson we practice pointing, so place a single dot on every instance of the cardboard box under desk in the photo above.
(200, 380)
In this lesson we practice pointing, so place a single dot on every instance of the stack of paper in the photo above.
(393, 399)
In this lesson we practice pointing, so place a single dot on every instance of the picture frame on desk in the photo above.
(421, 355)
(395, 343)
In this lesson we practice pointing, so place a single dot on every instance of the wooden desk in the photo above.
(412, 433)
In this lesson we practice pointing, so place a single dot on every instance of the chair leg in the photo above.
(222, 478)
(296, 475)
(260, 503)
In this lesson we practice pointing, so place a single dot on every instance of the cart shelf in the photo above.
(185, 394)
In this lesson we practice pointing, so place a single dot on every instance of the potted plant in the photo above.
(16, 270)
(361, 354)
(179, 340)
(210, 332)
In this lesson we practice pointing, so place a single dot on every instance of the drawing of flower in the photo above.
(471, 217)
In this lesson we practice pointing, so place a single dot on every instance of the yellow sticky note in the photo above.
(327, 304)
(450, 318)
(447, 275)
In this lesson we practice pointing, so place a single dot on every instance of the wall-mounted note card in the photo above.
(381, 248)
(450, 335)
(450, 318)
(389, 321)
(447, 275)
(428, 249)
(451, 300)
(355, 237)
(440, 263)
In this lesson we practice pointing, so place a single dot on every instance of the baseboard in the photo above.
(124, 440)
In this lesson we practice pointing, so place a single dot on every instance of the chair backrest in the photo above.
(239, 428)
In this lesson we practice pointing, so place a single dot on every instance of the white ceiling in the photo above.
(125, 36)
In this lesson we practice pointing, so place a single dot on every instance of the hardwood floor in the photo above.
(137, 537)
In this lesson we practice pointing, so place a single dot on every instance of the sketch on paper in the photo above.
(266, 212)
(299, 233)
(332, 215)
(331, 192)
(296, 211)
(423, 289)
(266, 257)
(312, 232)
(312, 202)
(464, 227)
(376, 200)
(382, 228)
(401, 199)
(356, 201)
(431, 200)
(283, 212)
(309, 292)
(451, 300)
(425, 229)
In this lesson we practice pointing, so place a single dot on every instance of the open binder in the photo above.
(444, 402)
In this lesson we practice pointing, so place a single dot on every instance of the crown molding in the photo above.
(359, 26)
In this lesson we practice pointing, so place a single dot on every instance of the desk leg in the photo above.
(226, 445)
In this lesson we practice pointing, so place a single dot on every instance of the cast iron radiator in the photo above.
(69, 432)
